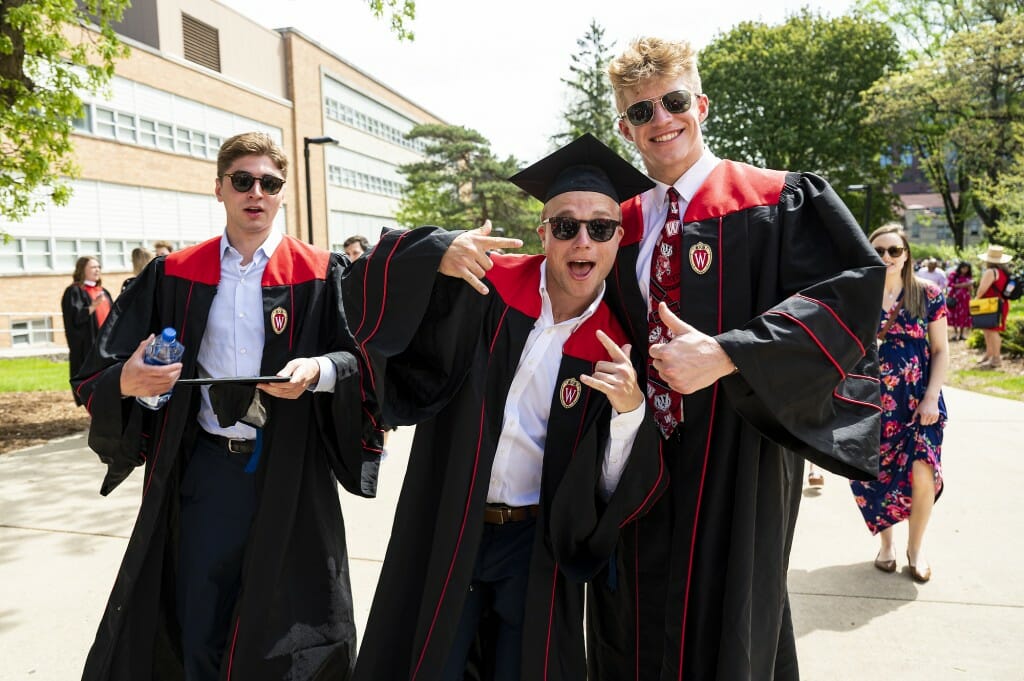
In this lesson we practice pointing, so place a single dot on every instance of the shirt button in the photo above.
(241, 315)
(242, 351)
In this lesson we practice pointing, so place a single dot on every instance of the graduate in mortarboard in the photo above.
(532, 445)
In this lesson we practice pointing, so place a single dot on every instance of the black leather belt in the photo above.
(235, 445)
(499, 514)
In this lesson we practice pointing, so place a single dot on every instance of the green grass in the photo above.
(993, 383)
(29, 374)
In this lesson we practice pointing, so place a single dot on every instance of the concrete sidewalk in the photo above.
(61, 544)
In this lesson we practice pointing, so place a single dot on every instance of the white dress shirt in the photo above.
(655, 209)
(233, 342)
(518, 461)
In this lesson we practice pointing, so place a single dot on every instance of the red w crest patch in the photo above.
(569, 392)
(278, 319)
(700, 257)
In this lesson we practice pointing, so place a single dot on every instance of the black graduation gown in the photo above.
(442, 356)
(293, 618)
(792, 296)
(80, 326)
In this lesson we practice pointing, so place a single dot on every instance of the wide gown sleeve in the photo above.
(417, 329)
(115, 433)
(348, 417)
(584, 529)
(808, 366)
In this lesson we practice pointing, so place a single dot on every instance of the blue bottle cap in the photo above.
(169, 335)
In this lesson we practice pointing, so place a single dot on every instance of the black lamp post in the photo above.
(306, 141)
(866, 188)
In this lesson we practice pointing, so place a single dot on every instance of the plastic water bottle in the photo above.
(164, 349)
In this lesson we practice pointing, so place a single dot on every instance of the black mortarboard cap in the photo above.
(583, 165)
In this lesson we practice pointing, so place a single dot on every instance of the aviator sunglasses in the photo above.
(893, 251)
(675, 102)
(599, 229)
(243, 181)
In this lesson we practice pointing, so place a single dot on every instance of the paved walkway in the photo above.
(61, 543)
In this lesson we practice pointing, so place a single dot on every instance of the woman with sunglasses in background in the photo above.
(913, 356)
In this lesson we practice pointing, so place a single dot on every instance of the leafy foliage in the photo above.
(47, 57)
(461, 183)
(591, 106)
(961, 107)
(788, 97)
(401, 12)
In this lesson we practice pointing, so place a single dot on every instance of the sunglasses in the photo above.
(243, 181)
(893, 251)
(599, 229)
(675, 102)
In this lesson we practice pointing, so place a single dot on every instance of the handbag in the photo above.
(950, 300)
(985, 313)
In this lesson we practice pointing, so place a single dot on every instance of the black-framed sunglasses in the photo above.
(675, 102)
(243, 181)
(893, 251)
(599, 229)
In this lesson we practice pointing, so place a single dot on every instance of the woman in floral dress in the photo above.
(961, 284)
(913, 357)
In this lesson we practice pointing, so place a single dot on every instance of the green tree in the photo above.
(962, 110)
(591, 105)
(460, 184)
(788, 97)
(1007, 193)
(47, 57)
(401, 13)
(924, 26)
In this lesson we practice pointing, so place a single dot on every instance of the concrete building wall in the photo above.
(249, 52)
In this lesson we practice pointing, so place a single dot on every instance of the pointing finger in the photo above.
(617, 353)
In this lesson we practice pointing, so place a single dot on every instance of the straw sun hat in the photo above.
(995, 255)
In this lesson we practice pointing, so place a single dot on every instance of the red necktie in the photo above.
(665, 265)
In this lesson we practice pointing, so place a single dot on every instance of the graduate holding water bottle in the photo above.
(237, 566)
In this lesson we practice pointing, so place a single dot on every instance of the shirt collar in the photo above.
(268, 246)
(690, 181)
(548, 317)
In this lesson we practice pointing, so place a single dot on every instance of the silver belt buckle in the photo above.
(231, 444)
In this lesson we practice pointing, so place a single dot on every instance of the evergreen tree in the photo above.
(461, 183)
(591, 105)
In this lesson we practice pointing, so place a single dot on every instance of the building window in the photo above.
(37, 254)
(65, 253)
(125, 127)
(202, 42)
(31, 332)
(184, 141)
(106, 125)
(83, 122)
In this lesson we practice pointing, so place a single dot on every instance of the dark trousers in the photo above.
(500, 577)
(218, 501)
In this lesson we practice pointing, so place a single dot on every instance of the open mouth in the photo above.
(580, 269)
(254, 211)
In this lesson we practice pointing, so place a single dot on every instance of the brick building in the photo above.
(198, 73)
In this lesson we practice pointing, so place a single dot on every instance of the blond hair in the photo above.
(250, 144)
(140, 258)
(652, 58)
